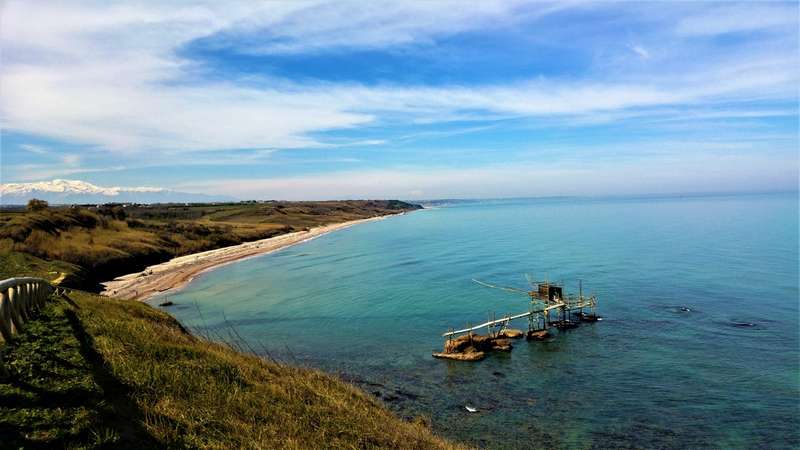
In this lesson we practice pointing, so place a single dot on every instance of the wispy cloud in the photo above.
(71, 160)
(379, 24)
(36, 149)
(39, 172)
(111, 76)
(641, 51)
(724, 18)
(129, 116)
(125, 81)
(661, 174)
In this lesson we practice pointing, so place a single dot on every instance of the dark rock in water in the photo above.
(389, 397)
(406, 394)
(466, 356)
(166, 303)
(538, 335)
(474, 347)
(502, 345)
(511, 333)
(356, 380)
(499, 374)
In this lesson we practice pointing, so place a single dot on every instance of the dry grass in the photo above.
(92, 372)
(108, 242)
(149, 383)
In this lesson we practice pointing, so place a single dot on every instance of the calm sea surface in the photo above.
(370, 303)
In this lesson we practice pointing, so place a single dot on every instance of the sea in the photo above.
(699, 346)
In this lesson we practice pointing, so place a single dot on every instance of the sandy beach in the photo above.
(178, 272)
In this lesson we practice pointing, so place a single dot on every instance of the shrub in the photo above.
(135, 223)
(35, 204)
(114, 211)
(38, 240)
(6, 245)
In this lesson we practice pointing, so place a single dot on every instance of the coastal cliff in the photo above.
(93, 372)
(93, 244)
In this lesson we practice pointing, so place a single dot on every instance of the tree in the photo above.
(35, 204)
(112, 210)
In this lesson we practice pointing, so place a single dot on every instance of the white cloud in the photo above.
(37, 149)
(724, 18)
(378, 24)
(71, 160)
(661, 172)
(126, 115)
(110, 75)
(38, 172)
(641, 51)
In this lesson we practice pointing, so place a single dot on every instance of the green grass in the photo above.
(92, 372)
(16, 264)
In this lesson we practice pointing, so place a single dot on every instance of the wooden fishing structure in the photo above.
(549, 307)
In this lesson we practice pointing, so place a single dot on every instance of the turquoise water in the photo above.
(371, 301)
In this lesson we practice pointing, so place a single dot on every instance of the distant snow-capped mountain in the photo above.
(81, 192)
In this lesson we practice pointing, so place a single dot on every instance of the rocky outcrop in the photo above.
(474, 347)
(469, 356)
(511, 333)
(537, 335)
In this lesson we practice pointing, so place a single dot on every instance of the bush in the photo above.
(35, 204)
(113, 211)
(6, 245)
(134, 223)
(39, 240)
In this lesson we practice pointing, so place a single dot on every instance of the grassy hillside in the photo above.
(16, 264)
(93, 372)
(98, 244)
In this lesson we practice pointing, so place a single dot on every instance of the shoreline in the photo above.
(178, 272)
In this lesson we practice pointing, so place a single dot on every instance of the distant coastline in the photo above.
(178, 272)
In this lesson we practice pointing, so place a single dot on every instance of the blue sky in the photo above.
(402, 99)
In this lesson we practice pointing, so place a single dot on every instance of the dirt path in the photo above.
(60, 278)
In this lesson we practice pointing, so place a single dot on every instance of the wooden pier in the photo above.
(548, 308)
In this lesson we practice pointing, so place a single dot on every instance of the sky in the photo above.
(410, 100)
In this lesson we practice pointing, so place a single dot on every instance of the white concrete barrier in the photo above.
(20, 298)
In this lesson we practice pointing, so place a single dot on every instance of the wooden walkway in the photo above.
(505, 320)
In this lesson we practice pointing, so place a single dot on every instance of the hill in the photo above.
(94, 372)
(94, 244)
